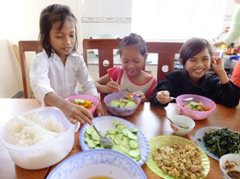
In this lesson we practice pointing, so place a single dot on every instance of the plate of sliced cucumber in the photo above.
(126, 137)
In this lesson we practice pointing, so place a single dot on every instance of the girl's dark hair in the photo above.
(133, 40)
(49, 15)
(192, 47)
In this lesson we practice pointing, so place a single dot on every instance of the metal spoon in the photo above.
(106, 142)
(186, 99)
(184, 127)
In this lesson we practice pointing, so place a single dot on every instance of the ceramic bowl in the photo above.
(234, 162)
(101, 163)
(182, 125)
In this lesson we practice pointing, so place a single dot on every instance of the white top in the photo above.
(50, 75)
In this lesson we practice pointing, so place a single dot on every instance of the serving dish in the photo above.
(105, 123)
(168, 140)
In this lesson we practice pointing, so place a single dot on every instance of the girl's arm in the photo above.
(218, 67)
(106, 85)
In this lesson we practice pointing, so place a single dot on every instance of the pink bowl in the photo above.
(93, 99)
(196, 115)
(117, 111)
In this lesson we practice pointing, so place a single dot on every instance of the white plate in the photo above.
(101, 162)
(105, 123)
(199, 135)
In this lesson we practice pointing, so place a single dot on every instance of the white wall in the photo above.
(19, 21)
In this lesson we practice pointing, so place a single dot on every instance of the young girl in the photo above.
(236, 75)
(131, 76)
(55, 71)
(196, 56)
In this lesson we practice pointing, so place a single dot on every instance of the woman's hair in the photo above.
(49, 15)
(192, 47)
(133, 40)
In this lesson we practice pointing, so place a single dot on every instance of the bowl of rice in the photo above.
(30, 144)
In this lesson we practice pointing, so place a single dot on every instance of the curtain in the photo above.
(178, 19)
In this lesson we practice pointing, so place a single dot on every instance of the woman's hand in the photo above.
(100, 111)
(217, 64)
(163, 97)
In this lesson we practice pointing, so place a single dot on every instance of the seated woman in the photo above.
(197, 57)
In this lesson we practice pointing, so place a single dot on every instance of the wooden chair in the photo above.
(166, 54)
(27, 46)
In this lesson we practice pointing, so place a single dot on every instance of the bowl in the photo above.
(93, 164)
(93, 99)
(26, 145)
(120, 111)
(232, 166)
(182, 125)
(105, 123)
(194, 114)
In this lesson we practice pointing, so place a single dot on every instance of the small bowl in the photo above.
(120, 111)
(229, 157)
(101, 163)
(90, 98)
(39, 154)
(182, 120)
(196, 115)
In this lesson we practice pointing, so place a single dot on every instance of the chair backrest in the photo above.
(165, 54)
(27, 46)
(105, 49)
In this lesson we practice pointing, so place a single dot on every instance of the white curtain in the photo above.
(178, 19)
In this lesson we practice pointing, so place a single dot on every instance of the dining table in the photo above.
(150, 119)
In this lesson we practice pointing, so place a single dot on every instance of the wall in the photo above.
(19, 21)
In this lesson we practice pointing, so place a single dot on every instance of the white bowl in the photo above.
(101, 162)
(41, 154)
(182, 120)
(105, 123)
(229, 157)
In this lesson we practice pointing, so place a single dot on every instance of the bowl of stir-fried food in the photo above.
(87, 101)
(198, 108)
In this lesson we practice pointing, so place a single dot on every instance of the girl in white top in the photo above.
(131, 76)
(55, 71)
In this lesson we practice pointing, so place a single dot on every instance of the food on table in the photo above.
(23, 134)
(232, 169)
(124, 140)
(123, 103)
(179, 160)
(222, 141)
(83, 102)
(197, 106)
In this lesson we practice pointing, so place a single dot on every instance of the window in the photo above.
(178, 19)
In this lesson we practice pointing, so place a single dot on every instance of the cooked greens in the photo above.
(222, 141)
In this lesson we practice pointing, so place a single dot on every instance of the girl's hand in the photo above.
(100, 110)
(217, 64)
(163, 97)
(141, 95)
(112, 86)
(77, 113)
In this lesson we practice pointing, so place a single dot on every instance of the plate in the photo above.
(104, 123)
(199, 135)
(101, 162)
(167, 140)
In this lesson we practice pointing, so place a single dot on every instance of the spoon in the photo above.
(184, 127)
(185, 99)
(106, 142)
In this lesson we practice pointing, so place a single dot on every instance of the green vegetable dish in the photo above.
(124, 140)
(222, 141)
